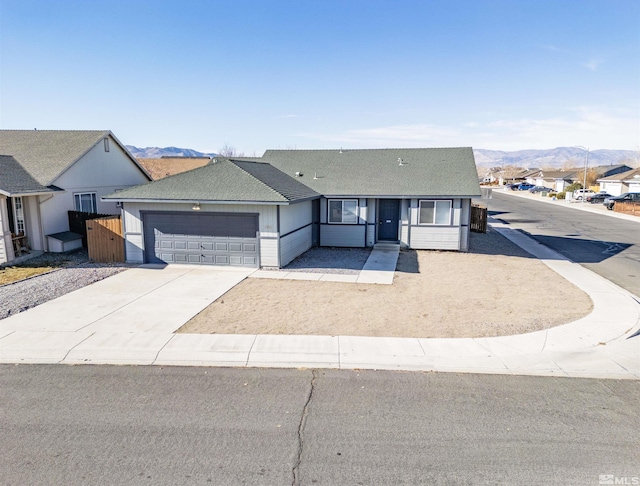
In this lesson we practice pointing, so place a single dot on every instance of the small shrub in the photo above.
(561, 195)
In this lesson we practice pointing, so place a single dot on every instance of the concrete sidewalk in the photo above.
(130, 319)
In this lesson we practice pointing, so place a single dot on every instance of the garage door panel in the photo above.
(204, 238)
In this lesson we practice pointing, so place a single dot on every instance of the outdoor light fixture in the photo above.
(196, 206)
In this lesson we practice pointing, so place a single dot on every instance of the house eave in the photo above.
(194, 201)
(402, 196)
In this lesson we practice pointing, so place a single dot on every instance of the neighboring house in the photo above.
(46, 173)
(555, 179)
(609, 170)
(166, 166)
(560, 179)
(263, 212)
(617, 184)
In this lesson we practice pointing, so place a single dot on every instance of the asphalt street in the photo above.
(79, 425)
(608, 246)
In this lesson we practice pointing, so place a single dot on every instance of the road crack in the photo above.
(301, 426)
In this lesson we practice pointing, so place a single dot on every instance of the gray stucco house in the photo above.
(263, 212)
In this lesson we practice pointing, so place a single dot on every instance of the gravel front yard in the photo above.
(495, 289)
(76, 272)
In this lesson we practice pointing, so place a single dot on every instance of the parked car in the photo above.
(525, 186)
(597, 197)
(535, 189)
(626, 197)
(582, 192)
(514, 186)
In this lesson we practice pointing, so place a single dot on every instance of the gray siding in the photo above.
(294, 216)
(342, 235)
(295, 244)
(435, 237)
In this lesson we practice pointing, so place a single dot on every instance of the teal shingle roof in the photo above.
(382, 172)
(222, 180)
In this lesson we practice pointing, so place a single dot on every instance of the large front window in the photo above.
(435, 212)
(86, 202)
(343, 211)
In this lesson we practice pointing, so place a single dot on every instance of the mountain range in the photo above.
(158, 152)
(561, 157)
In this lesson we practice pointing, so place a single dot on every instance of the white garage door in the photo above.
(201, 238)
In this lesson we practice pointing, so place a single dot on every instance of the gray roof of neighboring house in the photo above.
(382, 172)
(222, 180)
(622, 176)
(15, 181)
(558, 174)
(46, 154)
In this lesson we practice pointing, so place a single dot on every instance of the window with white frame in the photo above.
(86, 202)
(18, 214)
(343, 211)
(434, 212)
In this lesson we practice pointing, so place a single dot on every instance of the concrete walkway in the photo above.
(130, 319)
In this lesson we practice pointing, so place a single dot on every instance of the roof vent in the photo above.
(315, 176)
(400, 162)
(299, 174)
(340, 150)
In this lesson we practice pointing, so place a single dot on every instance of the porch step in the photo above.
(386, 246)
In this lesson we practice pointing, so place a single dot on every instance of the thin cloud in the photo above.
(593, 63)
(579, 126)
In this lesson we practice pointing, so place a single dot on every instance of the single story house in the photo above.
(557, 180)
(264, 212)
(46, 173)
(617, 184)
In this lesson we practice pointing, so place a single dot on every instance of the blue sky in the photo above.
(493, 74)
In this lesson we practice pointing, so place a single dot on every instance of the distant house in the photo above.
(620, 183)
(44, 174)
(557, 180)
(160, 168)
(263, 212)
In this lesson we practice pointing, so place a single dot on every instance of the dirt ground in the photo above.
(496, 289)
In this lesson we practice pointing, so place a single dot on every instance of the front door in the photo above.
(388, 219)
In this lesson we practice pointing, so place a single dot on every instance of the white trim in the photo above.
(435, 212)
(94, 201)
(342, 200)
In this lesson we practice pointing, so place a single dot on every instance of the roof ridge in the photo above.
(254, 177)
(368, 149)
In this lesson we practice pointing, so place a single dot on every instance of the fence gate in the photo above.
(104, 239)
(478, 219)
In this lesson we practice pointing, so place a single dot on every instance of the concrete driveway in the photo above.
(149, 298)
